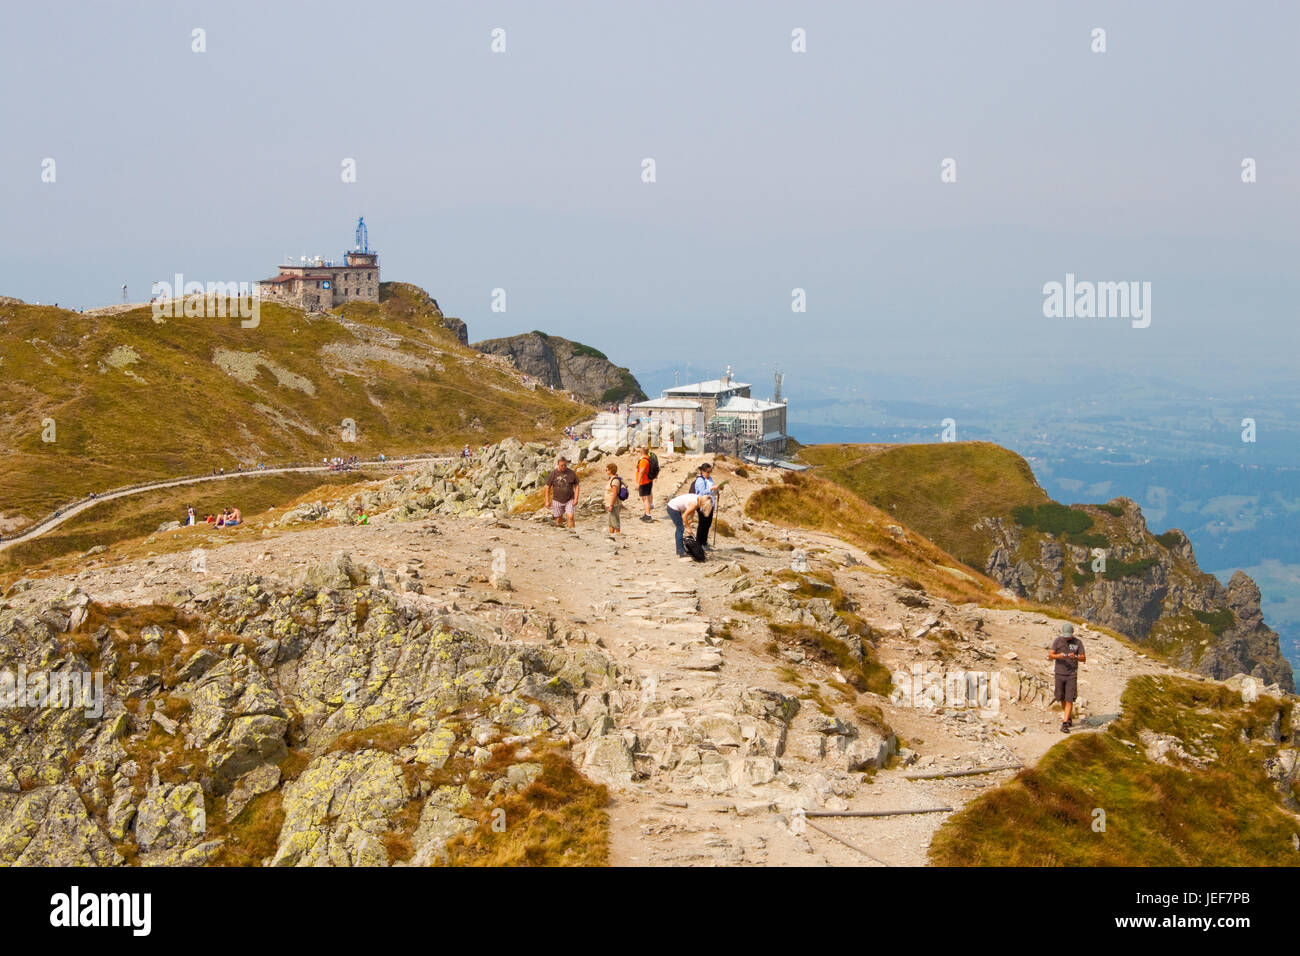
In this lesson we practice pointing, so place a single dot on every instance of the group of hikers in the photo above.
(691, 512)
(340, 464)
(226, 518)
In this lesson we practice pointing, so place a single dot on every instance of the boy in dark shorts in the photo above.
(1067, 651)
(644, 483)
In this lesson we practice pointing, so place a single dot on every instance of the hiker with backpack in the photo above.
(647, 470)
(681, 510)
(615, 495)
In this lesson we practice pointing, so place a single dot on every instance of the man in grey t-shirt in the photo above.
(1067, 651)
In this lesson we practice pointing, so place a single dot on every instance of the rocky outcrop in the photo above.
(1118, 574)
(492, 482)
(405, 300)
(369, 727)
(567, 366)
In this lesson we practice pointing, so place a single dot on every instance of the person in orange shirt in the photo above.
(645, 484)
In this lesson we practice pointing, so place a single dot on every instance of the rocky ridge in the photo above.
(377, 708)
(1149, 588)
(567, 366)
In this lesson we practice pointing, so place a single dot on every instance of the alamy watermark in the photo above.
(191, 300)
(65, 689)
(1098, 300)
(928, 689)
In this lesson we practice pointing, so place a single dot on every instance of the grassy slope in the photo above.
(940, 490)
(139, 515)
(808, 501)
(404, 378)
(1227, 814)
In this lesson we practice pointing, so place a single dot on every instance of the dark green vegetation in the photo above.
(1218, 809)
(1117, 568)
(626, 389)
(579, 349)
(1217, 621)
(135, 400)
(1052, 517)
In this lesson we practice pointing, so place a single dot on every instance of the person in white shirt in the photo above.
(681, 510)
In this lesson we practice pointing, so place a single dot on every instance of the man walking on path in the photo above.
(645, 483)
(681, 509)
(562, 491)
(703, 485)
(1067, 651)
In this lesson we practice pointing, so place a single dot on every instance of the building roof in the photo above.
(667, 403)
(355, 267)
(738, 404)
(291, 276)
(712, 386)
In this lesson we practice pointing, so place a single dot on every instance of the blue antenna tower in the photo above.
(363, 235)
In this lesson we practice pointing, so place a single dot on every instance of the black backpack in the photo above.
(654, 466)
(693, 547)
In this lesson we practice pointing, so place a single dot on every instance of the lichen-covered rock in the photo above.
(210, 721)
(338, 810)
(49, 826)
(170, 817)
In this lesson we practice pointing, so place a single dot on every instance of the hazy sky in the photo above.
(775, 170)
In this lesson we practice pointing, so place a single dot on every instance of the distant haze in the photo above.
(775, 170)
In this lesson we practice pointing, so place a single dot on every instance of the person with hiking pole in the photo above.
(1067, 651)
(703, 485)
